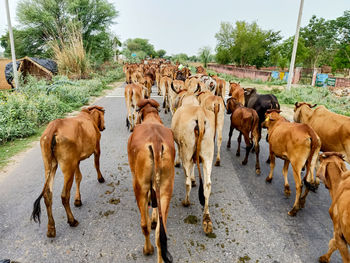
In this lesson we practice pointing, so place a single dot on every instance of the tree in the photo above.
(342, 56)
(204, 55)
(245, 44)
(161, 53)
(319, 36)
(42, 21)
(139, 44)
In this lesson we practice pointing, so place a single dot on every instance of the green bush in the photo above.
(38, 102)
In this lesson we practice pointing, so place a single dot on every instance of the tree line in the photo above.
(321, 42)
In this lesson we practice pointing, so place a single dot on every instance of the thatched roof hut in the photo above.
(40, 68)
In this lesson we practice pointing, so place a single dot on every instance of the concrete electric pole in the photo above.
(14, 64)
(295, 46)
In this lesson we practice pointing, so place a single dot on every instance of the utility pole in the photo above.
(14, 64)
(295, 46)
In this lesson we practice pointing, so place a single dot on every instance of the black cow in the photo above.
(260, 103)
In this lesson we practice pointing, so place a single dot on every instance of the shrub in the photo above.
(39, 102)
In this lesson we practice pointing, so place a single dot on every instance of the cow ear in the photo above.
(296, 104)
(321, 173)
(139, 117)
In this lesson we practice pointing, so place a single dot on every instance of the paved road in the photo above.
(249, 216)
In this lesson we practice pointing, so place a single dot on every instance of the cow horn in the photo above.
(313, 106)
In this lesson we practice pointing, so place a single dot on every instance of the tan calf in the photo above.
(297, 144)
(237, 92)
(165, 83)
(193, 129)
(133, 94)
(66, 142)
(151, 155)
(336, 178)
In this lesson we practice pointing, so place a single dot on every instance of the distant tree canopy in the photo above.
(139, 46)
(244, 44)
(321, 42)
(204, 55)
(42, 21)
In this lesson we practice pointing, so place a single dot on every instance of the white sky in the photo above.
(184, 26)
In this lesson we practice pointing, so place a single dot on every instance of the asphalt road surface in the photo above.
(249, 216)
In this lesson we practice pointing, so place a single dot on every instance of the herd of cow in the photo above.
(196, 103)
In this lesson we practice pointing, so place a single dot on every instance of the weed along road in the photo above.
(250, 221)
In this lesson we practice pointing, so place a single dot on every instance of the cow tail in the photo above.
(199, 131)
(156, 153)
(216, 111)
(48, 149)
(314, 145)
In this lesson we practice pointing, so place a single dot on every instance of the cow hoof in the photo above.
(228, 145)
(149, 251)
(293, 212)
(207, 224)
(257, 171)
(101, 180)
(323, 259)
(268, 179)
(74, 223)
(51, 232)
(268, 160)
(131, 129)
(186, 203)
(217, 163)
(153, 225)
(177, 165)
(287, 191)
(244, 162)
(78, 203)
(193, 183)
(238, 154)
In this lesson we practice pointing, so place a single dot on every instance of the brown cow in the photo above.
(237, 92)
(297, 144)
(133, 94)
(334, 175)
(67, 142)
(151, 154)
(201, 70)
(220, 86)
(335, 135)
(246, 121)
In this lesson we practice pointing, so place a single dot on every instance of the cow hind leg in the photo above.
(97, 154)
(287, 191)
(229, 137)
(272, 167)
(342, 246)
(51, 229)
(248, 147)
(142, 202)
(68, 171)
(239, 139)
(78, 177)
(298, 190)
(331, 248)
(257, 152)
(188, 167)
(218, 143)
(207, 223)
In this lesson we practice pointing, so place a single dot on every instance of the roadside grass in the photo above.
(11, 148)
(25, 113)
